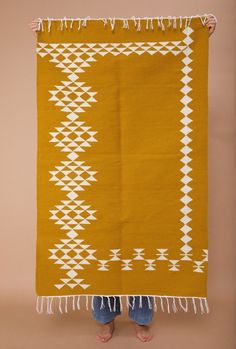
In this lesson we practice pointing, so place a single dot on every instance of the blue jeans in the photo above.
(142, 315)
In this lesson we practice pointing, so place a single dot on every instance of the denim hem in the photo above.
(142, 323)
(104, 320)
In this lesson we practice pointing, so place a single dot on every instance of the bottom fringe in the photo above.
(171, 304)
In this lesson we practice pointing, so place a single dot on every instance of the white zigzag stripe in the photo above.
(186, 149)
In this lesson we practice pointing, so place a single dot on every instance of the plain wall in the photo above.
(21, 326)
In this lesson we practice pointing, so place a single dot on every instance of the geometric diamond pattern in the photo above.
(72, 254)
(72, 215)
(72, 176)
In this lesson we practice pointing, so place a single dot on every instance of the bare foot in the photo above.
(143, 333)
(106, 332)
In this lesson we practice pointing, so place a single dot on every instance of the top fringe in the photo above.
(45, 24)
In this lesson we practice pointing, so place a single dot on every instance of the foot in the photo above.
(106, 331)
(143, 333)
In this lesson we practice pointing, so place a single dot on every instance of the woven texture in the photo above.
(122, 160)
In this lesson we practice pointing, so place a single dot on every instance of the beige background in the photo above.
(21, 326)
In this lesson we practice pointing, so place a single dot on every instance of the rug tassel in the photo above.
(114, 305)
(203, 19)
(92, 303)
(205, 16)
(194, 306)
(168, 305)
(66, 308)
(37, 304)
(42, 304)
(133, 305)
(109, 303)
(162, 24)
(84, 22)
(139, 24)
(73, 302)
(102, 303)
(78, 303)
(49, 24)
(134, 19)
(87, 303)
(155, 303)
(174, 307)
(112, 23)
(121, 305)
(125, 24)
(104, 21)
(149, 302)
(207, 306)
(40, 24)
(128, 302)
(186, 300)
(162, 307)
(140, 301)
(60, 308)
(51, 311)
(49, 305)
(151, 23)
(174, 23)
(188, 21)
(65, 22)
(185, 308)
(201, 307)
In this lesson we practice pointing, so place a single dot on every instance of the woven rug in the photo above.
(122, 161)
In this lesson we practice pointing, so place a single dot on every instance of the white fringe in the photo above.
(121, 304)
(68, 23)
(78, 303)
(185, 308)
(168, 305)
(114, 306)
(174, 307)
(149, 302)
(92, 303)
(162, 307)
(109, 303)
(140, 301)
(133, 304)
(155, 303)
(44, 304)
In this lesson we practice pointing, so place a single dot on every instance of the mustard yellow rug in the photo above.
(122, 161)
